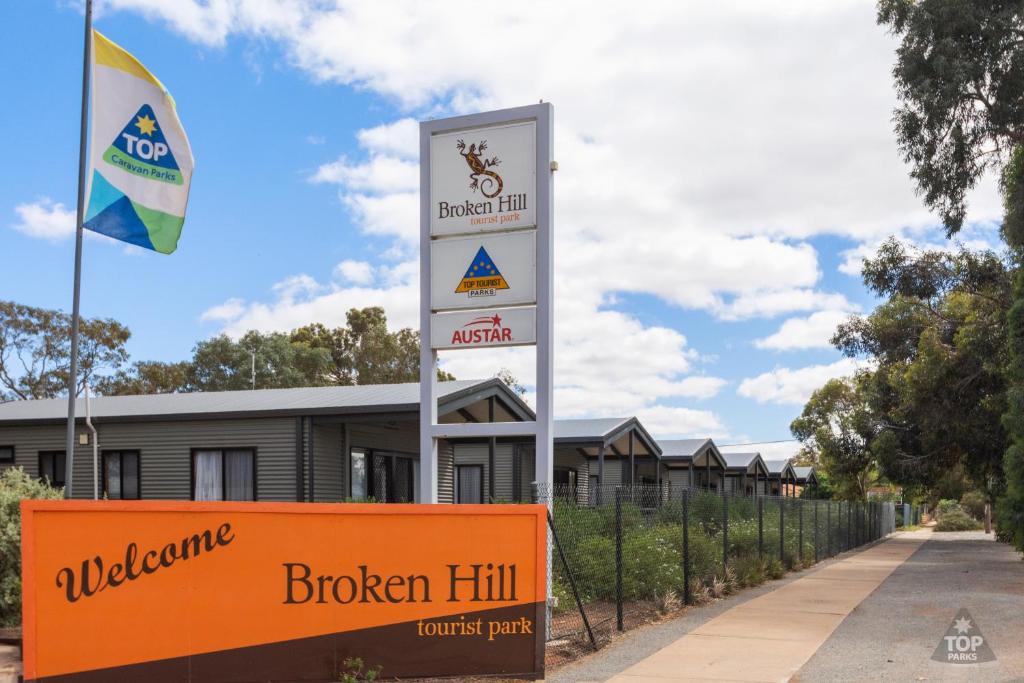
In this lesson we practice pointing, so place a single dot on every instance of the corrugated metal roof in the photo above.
(776, 466)
(740, 459)
(368, 398)
(588, 429)
(803, 472)
(681, 448)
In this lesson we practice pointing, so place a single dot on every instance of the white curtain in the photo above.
(238, 469)
(113, 483)
(470, 483)
(209, 485)
(358, 484)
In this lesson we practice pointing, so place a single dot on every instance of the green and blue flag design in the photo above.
(141, 161)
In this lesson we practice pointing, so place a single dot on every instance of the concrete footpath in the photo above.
(892, 635)
(770, 637)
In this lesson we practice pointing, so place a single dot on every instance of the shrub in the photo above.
(750, 570)
(973, 503)
(705, 554)
(15, 486)
(956, 520)
(946, 505)
(652, 561)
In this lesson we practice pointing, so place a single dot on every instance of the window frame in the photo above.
(5, 460)
(223, 472)
(365, 453)
(480, 470)
(39, 463)
(138, 471)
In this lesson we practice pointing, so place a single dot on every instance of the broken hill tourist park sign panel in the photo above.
(184, 591)
(486, 261)
(483, 179)
(483, 248)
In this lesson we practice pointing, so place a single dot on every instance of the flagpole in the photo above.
(69, 453)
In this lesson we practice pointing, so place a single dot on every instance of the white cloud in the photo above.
(786, 386)
(356, 272)
(229, 310)
(668, 422)
(300, 300)
(976, 237)
(769, 304)
(813, 332)
(769, 450)
(700, 146)
(45, 219)
(399, 138)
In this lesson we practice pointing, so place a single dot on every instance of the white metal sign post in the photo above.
(486, 263)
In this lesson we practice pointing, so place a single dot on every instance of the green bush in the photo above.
(946, 505)
(652, 562)
(956, 520)
(705, 554)
(973, 503)
(15, 486)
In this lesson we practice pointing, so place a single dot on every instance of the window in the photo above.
(121, 475)
(357, 475)
(51, 467)
(228, 474)
(6, 453)
(565, 481)
(469, 483)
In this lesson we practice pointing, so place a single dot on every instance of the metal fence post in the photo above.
(687, 593)
(725, 532)
(816, 554)
(618, 559)
(828, 529)
(760, 526)
(800, 526)
(849, 525)
(572, 581)
(782, 531)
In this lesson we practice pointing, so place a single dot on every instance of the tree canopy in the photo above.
(933, 390)
(35, 350)
(362, 352)
(959, 76)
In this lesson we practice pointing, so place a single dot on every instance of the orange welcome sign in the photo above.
(189, 591)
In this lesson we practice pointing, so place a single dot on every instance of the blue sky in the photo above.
(723, 169)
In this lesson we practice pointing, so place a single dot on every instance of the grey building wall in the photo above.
(329, 459)
(165, 452)
(477, 454)
(445, 472)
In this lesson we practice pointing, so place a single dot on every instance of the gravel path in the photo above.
(632, 646)
(892, 635)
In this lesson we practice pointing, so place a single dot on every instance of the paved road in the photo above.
(892, 635)
(635, 646)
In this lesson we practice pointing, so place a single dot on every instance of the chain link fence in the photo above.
(625, 555)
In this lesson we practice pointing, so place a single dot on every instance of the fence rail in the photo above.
(626, 554)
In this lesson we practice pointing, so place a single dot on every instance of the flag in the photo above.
(140, 162)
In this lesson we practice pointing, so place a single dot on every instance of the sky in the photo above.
(723, 170)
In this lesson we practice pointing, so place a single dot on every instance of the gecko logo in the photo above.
(482, 330)
(482, 278)
(487, 181)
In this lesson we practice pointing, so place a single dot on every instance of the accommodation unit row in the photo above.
(329, 444)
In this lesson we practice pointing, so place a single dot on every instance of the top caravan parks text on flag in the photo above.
(483, 180)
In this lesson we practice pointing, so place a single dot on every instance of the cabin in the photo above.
(322, 444)
(693, 463)
(781, 478)
(745, 474)
(806, 480)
